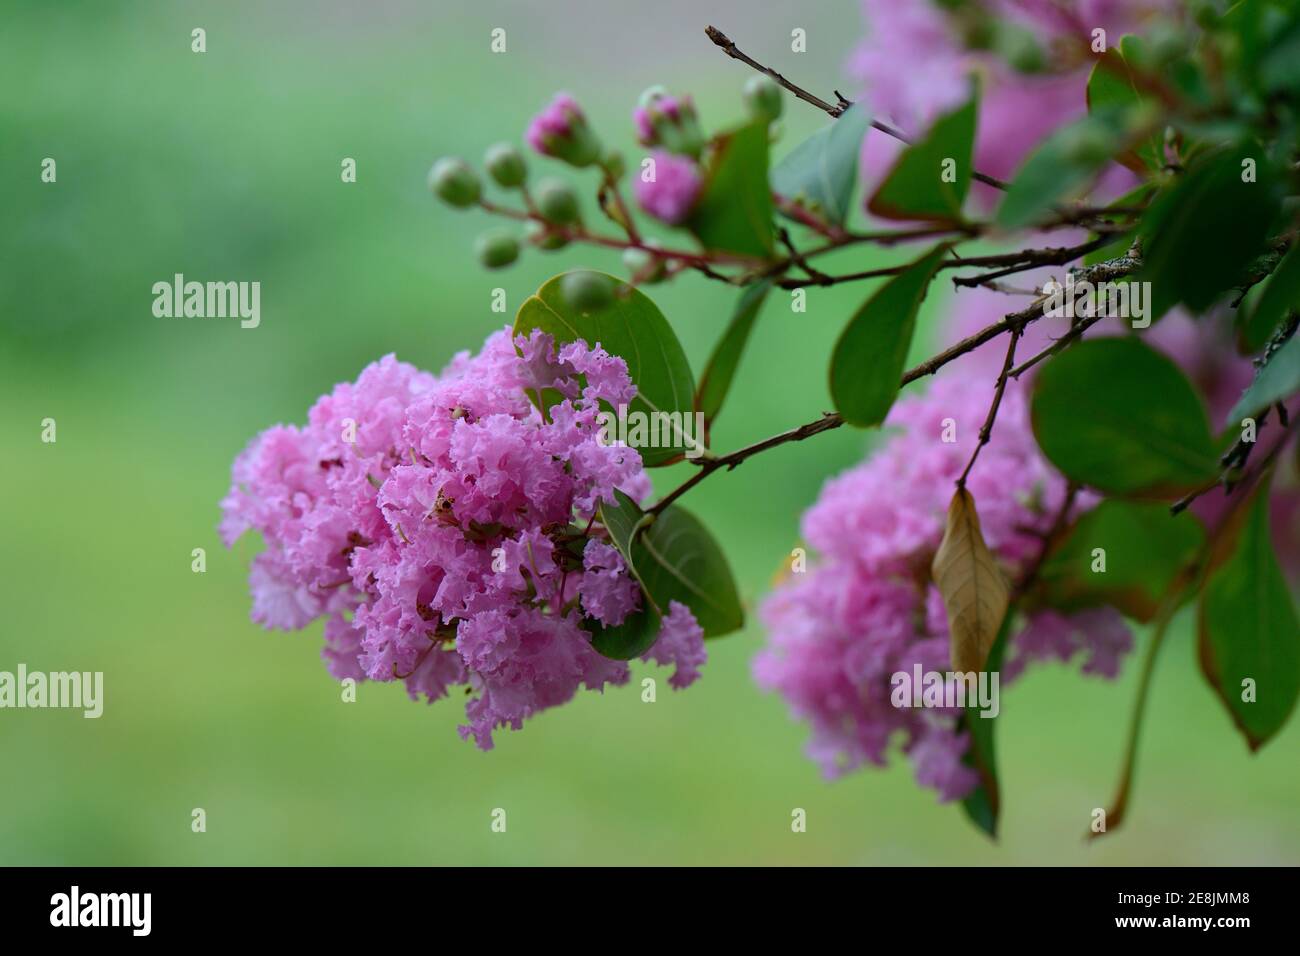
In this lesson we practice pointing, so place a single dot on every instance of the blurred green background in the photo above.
(226, 166)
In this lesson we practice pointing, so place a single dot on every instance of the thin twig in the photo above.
(1034, 258)
(833, 110)
(986, 430)
(1015, 322)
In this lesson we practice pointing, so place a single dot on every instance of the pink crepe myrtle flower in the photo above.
(838, 631)
(446, 531)
(561, 131)
(672, 192)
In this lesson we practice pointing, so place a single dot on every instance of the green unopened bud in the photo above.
(763, 98)
(544, 237)
(454, 182)
(612, 163)
(496, 249)
(587, 291)
(505, 165)
(557, 202)
(644, 266)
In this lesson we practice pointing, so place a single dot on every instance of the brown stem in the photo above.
(1033, 259)
(986, 430)
(835, 111)
(1015, 322)
(1020, 261)
(709, 465)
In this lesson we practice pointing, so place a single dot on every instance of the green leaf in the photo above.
(637, 632)
(721, 369)
(1249, 630)
(867, 364)
(1063, 166)
(1199, 236)
(633, 328)
(984, 802)
(1120, 417)
(1111, 86)
(1279, 67)
(821, 171)
(734, 213)
(1280, 294)
(674, 558)
(1145, 548)
(915, 188)
(1275, 381)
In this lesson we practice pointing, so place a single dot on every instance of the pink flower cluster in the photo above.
(838, 631)
(446, 529)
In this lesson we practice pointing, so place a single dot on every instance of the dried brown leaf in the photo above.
(974, 592)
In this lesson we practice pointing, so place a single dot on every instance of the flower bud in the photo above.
(586, 291)
(612, 163)
(763, 98)
(557, 202)
(496, 249)
(454, 182)
(671, 194)
(668, 121)
(505, 165)
(561, 131)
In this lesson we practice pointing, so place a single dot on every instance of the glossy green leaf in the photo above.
(821, 171)
(917, 187)
(1111, 86)
(721, 369)
(734, 213)
(1199, 236)
(633, 328)
(867, 364)
(1249, 633)
(674, 558)
(1277, 380)
(1142, 550)
(1118, 416)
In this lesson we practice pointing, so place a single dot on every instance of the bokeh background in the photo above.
(226, 166)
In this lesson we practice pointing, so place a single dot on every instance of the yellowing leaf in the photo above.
(974, 592)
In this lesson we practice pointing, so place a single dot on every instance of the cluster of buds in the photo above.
(670, 185)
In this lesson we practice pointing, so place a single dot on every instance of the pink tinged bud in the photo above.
(561, 131)
(670, 122)
(672, 193)
(645, 131)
